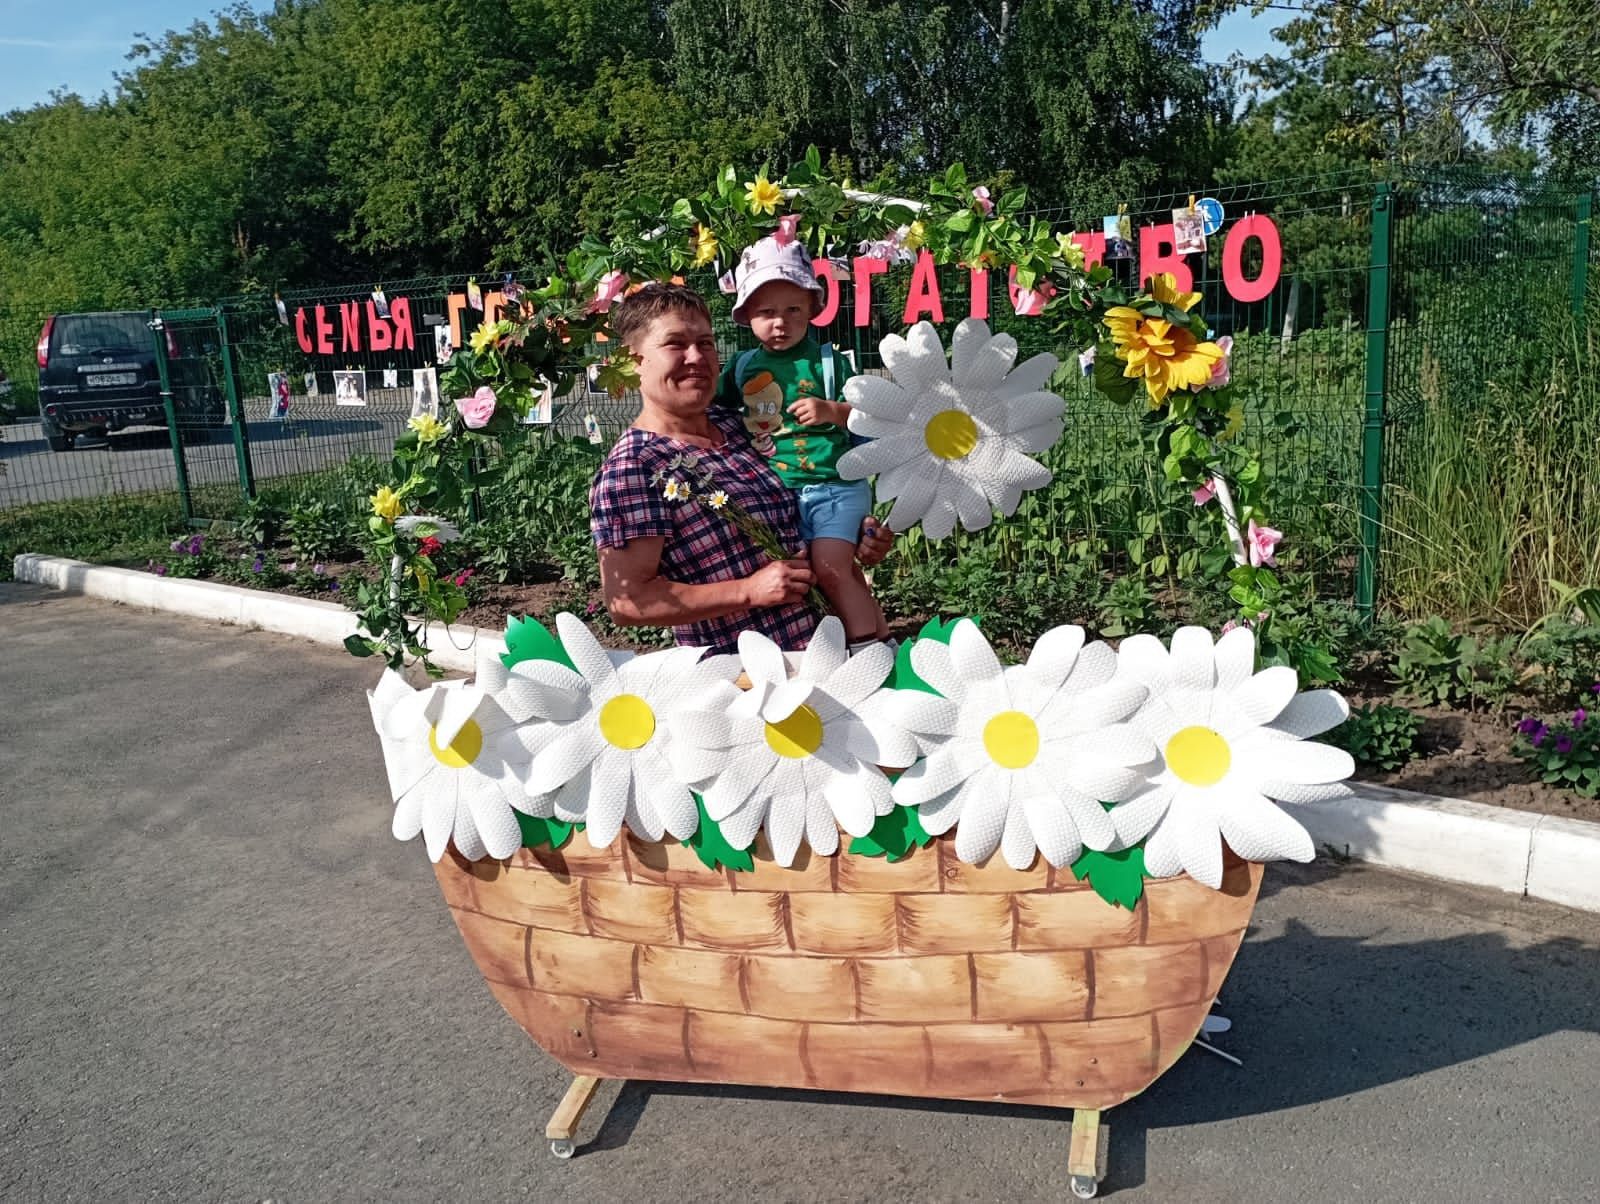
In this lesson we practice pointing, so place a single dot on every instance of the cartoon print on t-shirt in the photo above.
(763, 410)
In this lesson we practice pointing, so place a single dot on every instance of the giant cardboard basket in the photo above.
(923, 976)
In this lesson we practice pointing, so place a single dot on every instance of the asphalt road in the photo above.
(222, 979)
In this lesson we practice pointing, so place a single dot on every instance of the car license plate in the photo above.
(103, 380)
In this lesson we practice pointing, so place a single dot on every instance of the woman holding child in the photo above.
(665, 562)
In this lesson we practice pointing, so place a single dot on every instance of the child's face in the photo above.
(780, 314)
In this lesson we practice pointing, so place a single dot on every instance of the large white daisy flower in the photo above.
(456, 754)
(948, 438)
(1231, 739)
(801, 753)
(606, 763)
(1021, 757)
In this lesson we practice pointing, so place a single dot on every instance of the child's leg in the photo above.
(882, 631)
(842, 583)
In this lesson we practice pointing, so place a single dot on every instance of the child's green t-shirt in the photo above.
(772, 381)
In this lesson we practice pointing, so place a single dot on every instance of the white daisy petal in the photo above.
(1198, 840)
(1300, 792)
(826, 652)
(762, 659)
(1161, 856)
(930, 660)
(407, 820)
(1260, 699)
(1029, 376)
(874, 457)
(983, 820)
(585, 653)
(1016, 840)
(939, 520)
(970, 654)
(610, 791)
(877, 396)
(1259, 831)
(545, 689)
(1136, 818)
(1192, 664)
(736, 784)
(569, 753)
(1236, 658)
(1143, 658)
(1312, 713)
(944, 769)
(920, 712)
(438, 802)
(1053, 830)
(497, 825)
(739, 828)
(917, 360)
(1055, 653)
(465, 834)
(979, 362)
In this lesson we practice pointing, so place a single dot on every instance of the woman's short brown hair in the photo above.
(634, 314)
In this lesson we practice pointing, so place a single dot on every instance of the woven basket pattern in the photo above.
(924, 977)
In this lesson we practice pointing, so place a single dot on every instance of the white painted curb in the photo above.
(1541, 856)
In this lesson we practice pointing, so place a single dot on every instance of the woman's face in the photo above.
(678, 362)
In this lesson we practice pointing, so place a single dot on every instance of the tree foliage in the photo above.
(345, 138)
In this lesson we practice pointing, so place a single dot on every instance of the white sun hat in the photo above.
(766, 261)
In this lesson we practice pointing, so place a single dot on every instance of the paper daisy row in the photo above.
(1082, 746)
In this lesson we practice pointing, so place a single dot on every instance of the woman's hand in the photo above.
(876, 540)
(780, 582)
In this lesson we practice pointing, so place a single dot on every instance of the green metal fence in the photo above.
(1393, 293)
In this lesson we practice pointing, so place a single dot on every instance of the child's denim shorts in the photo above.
(834, 510)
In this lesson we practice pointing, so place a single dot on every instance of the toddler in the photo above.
(788, 389)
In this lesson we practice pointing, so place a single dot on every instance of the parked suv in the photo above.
(98, 373)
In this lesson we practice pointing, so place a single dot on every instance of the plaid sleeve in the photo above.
(624, 505)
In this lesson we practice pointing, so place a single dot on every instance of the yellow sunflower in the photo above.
(429, 429)
(762, 195)
(1164, 288)
(1166, 356)
(705, 246)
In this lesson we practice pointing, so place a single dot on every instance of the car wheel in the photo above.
(59, 441)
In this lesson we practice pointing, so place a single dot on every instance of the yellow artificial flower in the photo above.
(429, 429)
(762, 195)
(1165, 356)
(916, 235)
(485, 337)
(386, 504)
(705, 246)
(1164, 288)
(1235, 423)
(1070, 252)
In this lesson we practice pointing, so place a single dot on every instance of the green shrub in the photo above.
(1567, 752)
(1437, 666)
(1381, 736)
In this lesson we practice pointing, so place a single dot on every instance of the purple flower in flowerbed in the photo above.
(257, 566)
(1528, 726)
(319, 569)
(333, 586)
(1579, 716)
(1538, 734)
(1563, 744)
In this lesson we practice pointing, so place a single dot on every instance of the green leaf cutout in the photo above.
(893, 835)
(1117, 877)
(552, 832)
(531, 640)
(712, 847)
(904, 676)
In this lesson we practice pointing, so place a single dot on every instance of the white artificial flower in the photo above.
(948, 439)
(456, 754)
(799, 754)
(1231, 740)
(606, 763)
(1021, 758)
(445, 532)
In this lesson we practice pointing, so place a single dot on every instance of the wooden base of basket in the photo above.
(924, 977)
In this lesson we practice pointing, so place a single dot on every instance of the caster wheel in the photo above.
(561, 1148)
(1085, 1188)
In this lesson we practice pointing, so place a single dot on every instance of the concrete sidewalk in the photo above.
(224, 980)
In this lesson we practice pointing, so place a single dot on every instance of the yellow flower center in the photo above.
(627, 722)
(951, 434)
(460, 752)
(1198, 756)
(1011, 739)
(798, 736)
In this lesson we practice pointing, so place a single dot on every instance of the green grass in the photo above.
(126, 529)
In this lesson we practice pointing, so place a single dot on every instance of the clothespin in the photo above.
(1191, 202)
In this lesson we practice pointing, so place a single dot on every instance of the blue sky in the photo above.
(40, 51)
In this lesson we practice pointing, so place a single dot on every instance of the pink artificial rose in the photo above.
(612, 285)
(478, 409)
(1261, 541)
(1221, 372)
(1205, 493)
(980, 198)
(787, 225)
(1030, 302)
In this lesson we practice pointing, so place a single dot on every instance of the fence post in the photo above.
(1580, 253)
(1378, 286)
(179, 463)
(241, 435)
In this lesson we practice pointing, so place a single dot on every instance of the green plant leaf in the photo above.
(537, 832)
(893, 835)
(712, 847)
(531, 640)
(357, 645)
